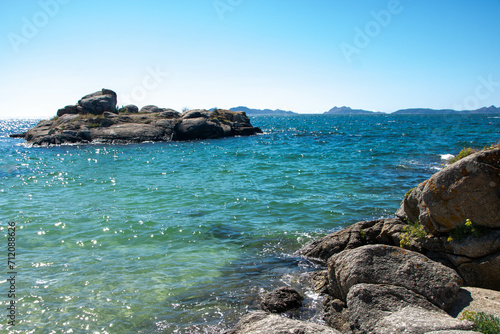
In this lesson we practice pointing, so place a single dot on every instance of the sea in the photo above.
(185, 237)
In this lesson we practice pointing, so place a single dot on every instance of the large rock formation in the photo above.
(95, 119)
(459, 207)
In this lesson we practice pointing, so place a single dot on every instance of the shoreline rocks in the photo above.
(418, 272)
(95, 119)
(281, 300)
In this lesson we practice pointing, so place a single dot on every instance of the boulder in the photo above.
(376, 308)
(198, 128)
(281, 300)
(169, 113)
(459, 192)
(99, 102)
(149, 109)
(73, 109)
(260, 322)
(195, 113)
(130, 108)
(382, 264)
(381, 231)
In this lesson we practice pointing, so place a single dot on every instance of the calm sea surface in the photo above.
(183, 237)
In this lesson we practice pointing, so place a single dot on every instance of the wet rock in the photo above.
(281, 300)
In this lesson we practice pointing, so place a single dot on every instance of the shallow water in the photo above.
(183, 237)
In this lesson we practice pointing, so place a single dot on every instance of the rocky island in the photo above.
(430, 269)
(96, 119)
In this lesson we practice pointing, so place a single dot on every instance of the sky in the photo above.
(300, 55)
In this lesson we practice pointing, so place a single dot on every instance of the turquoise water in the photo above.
(183, 237)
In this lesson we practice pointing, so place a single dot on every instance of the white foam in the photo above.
(447, 157)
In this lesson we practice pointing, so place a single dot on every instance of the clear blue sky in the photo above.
(300, 55)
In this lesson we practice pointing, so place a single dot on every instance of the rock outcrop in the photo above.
(95, 119)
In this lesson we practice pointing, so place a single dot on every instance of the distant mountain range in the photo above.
(349, 111)
(249, 111)
(424, 111)
(414, 111)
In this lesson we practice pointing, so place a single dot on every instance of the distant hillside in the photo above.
(249, 111)
(348, 111)
(426, 111)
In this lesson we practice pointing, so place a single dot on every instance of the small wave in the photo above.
(446, 157)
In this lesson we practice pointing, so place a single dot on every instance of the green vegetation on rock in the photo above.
(468, 229)
(483, 322)
(463, 153)
(413, 231)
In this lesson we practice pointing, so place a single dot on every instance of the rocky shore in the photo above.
(414, 273)
(96, 119)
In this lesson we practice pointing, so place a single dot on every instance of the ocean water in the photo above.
(184, 237)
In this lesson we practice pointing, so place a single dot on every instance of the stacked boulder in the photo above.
(95, 104)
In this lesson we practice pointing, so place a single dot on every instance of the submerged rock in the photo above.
(96, 119)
